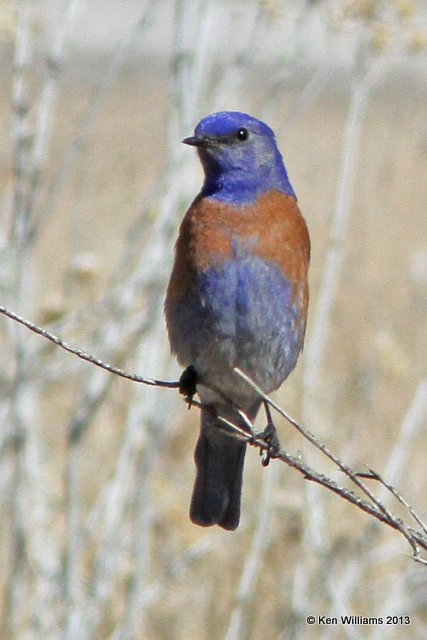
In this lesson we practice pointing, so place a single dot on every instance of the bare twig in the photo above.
(317, 533)
(311, 438)
(86, 356)
(376, 510)
(374, 475)
(375, 507)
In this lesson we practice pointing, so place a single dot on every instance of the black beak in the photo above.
(196, 141)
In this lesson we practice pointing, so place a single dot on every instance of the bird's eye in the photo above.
(242, 134)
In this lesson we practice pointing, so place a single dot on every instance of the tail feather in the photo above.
(219, 460)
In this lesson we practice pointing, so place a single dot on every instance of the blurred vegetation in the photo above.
(96, 473)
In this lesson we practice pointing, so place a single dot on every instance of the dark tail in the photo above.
(219, 460)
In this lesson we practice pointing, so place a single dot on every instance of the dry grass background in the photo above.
(96, 473)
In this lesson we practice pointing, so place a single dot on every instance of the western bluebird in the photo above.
(237, 296)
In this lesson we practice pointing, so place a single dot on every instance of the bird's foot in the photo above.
(187, 384)
(269, 435)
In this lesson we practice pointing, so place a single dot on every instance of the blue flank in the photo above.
(243, 311)
(237, 172)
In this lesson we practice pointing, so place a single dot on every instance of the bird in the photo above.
(237, 296)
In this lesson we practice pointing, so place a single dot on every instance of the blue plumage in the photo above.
(237, 296)
(238, 170)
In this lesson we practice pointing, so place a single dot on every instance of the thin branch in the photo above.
(312, 438)
(377, 509)
(374, 508)
(316, 345)
(383, 515)
(374, 475)
(86, 356)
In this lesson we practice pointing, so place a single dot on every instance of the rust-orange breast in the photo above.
(212, 232)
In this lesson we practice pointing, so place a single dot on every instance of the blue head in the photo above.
(240, 157)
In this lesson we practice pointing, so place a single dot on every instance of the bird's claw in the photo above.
(187, 384)
(269, 436)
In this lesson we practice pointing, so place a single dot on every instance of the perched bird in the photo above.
(237, 296)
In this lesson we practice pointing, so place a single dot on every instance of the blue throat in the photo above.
(238, 185)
